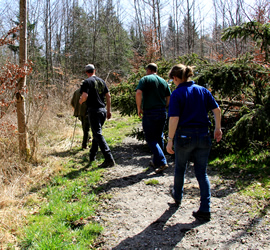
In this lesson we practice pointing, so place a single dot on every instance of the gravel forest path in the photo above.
(137, 215)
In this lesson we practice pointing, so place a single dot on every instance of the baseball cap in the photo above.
(89, 67)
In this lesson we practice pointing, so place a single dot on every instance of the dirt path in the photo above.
(140, 216)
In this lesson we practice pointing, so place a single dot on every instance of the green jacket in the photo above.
(79, 110)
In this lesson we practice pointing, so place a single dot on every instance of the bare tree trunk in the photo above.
(95, 32)
(154, 10)
(177, 42)
(47, 39)
(138, 16)
(50, 42)
(159, 28)
(66, 32)
(21, 115)
(189, 37)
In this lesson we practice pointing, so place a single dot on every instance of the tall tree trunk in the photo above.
(138, 16)
(21, 116)
(159, 28)
(175, 12)
(188, 35)
(47, 40)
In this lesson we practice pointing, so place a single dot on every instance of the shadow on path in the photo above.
(66, 153)
(153, 236)
(126, 181)
(250, 227)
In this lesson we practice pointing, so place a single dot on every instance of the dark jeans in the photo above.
(153, 123)
(85, 127)
(195, 144)
(97, 119)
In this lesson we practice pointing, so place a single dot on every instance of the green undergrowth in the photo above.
(64, 214)
(118, 127)
(251, 171)
(151, 182)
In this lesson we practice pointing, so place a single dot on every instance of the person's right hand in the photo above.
(109, 115)
(140, 113)
(169, 147)
(218, 135)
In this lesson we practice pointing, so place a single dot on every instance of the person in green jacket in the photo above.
(80, 111)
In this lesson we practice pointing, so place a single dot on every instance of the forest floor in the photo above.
(138, 215)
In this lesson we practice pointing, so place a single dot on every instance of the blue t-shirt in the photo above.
(191, 103)
(96, 89)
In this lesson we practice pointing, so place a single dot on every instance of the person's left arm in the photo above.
(218, 131)
(173, 122)
(168, 96)
(108, 103)
(139, 95)
(167, 101)
(217, 116)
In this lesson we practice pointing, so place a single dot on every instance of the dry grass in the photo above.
(51, 130)
(14, 198)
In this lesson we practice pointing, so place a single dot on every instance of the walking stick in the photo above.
(73, 133)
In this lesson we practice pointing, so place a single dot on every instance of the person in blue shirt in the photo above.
(189, 134)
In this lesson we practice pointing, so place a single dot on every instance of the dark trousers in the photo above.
(97, 119)
(153, 125)
(85, 127)
(195, 143)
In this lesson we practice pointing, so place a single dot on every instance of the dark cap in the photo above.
(152, 66)
(89, 67)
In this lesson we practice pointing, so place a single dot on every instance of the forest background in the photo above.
(229, 47)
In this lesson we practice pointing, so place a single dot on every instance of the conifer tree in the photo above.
(258, 32)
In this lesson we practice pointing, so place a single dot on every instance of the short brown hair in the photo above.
(152, 66)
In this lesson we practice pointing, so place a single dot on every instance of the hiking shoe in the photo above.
(151, 164)
(92, 158)
(202, 216)
(177, 203)
(162, 168)
(107, 163)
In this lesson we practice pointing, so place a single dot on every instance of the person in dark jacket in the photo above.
(94, 91)
(80, 111)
